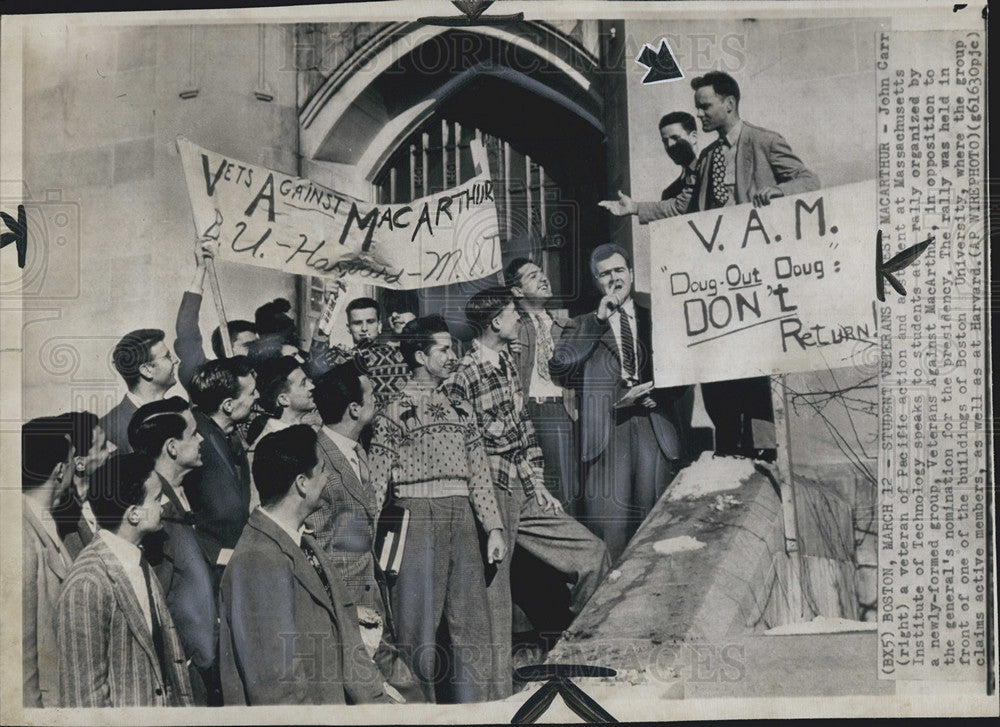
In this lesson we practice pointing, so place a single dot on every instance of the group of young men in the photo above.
(220, 549)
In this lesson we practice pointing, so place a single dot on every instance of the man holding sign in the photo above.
(629, 446)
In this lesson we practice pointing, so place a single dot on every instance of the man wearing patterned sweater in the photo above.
(428, 455)
(383, 363)
(487, 378)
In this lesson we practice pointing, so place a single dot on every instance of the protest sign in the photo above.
(744, 291)
(266, 218)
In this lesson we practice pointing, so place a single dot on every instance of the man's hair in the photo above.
(117, 485)
(216, 381)
(603, 252)
(511, 274)
(235, 328)
(273, 318)
(683, 118)
(401, 301)
(81, 432)
(272, 381)
(280, 457)
(363, 304)
(133, 351)
(485, 305)
(45, 442)
(418, 335)
(722, 83)
(337, 389)
(156, 422)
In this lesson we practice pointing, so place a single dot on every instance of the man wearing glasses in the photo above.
(149, 370)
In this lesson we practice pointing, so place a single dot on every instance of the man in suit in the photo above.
(223, 392)
(117, 642)
(165, 431)
(143, 360)
(629, 446)
(746, 163)
(551, 407)
(344, 523)
(533, 519)
(46, 472)
(289, 630)
(679, 133)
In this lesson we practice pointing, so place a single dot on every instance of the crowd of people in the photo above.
(343, 524)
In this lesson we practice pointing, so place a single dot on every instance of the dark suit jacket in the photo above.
(344, 526)
(590, 344)
(184, 573)
(219, 490)
(115, 424)
(45, 566)
(106, 652)
(281, 639)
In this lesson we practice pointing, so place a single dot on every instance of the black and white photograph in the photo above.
(496, 362)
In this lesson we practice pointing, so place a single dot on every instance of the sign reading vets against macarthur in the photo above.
(743, 291)
(273, 220)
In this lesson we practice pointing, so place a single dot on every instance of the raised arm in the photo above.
(189, 345)
(650, 211)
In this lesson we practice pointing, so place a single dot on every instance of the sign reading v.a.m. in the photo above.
(266, 218)
(743, 291)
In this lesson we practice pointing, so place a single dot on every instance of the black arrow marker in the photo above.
(18, 234)
(884, 270)
(559, 676)
(661, 64)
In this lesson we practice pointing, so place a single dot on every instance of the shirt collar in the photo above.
(295, 535)
(486, 353)
(628, 306)
(734, 133)
(346, 445)
(166, 487)
(128, 554)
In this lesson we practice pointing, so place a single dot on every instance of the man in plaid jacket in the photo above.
(533, 519)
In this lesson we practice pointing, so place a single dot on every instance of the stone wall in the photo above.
(102, 108)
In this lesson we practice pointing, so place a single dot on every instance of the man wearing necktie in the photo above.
(166, 432)
(629, 445)
(745, 164)
(344, 523)
(289, 628)
(117, 643)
